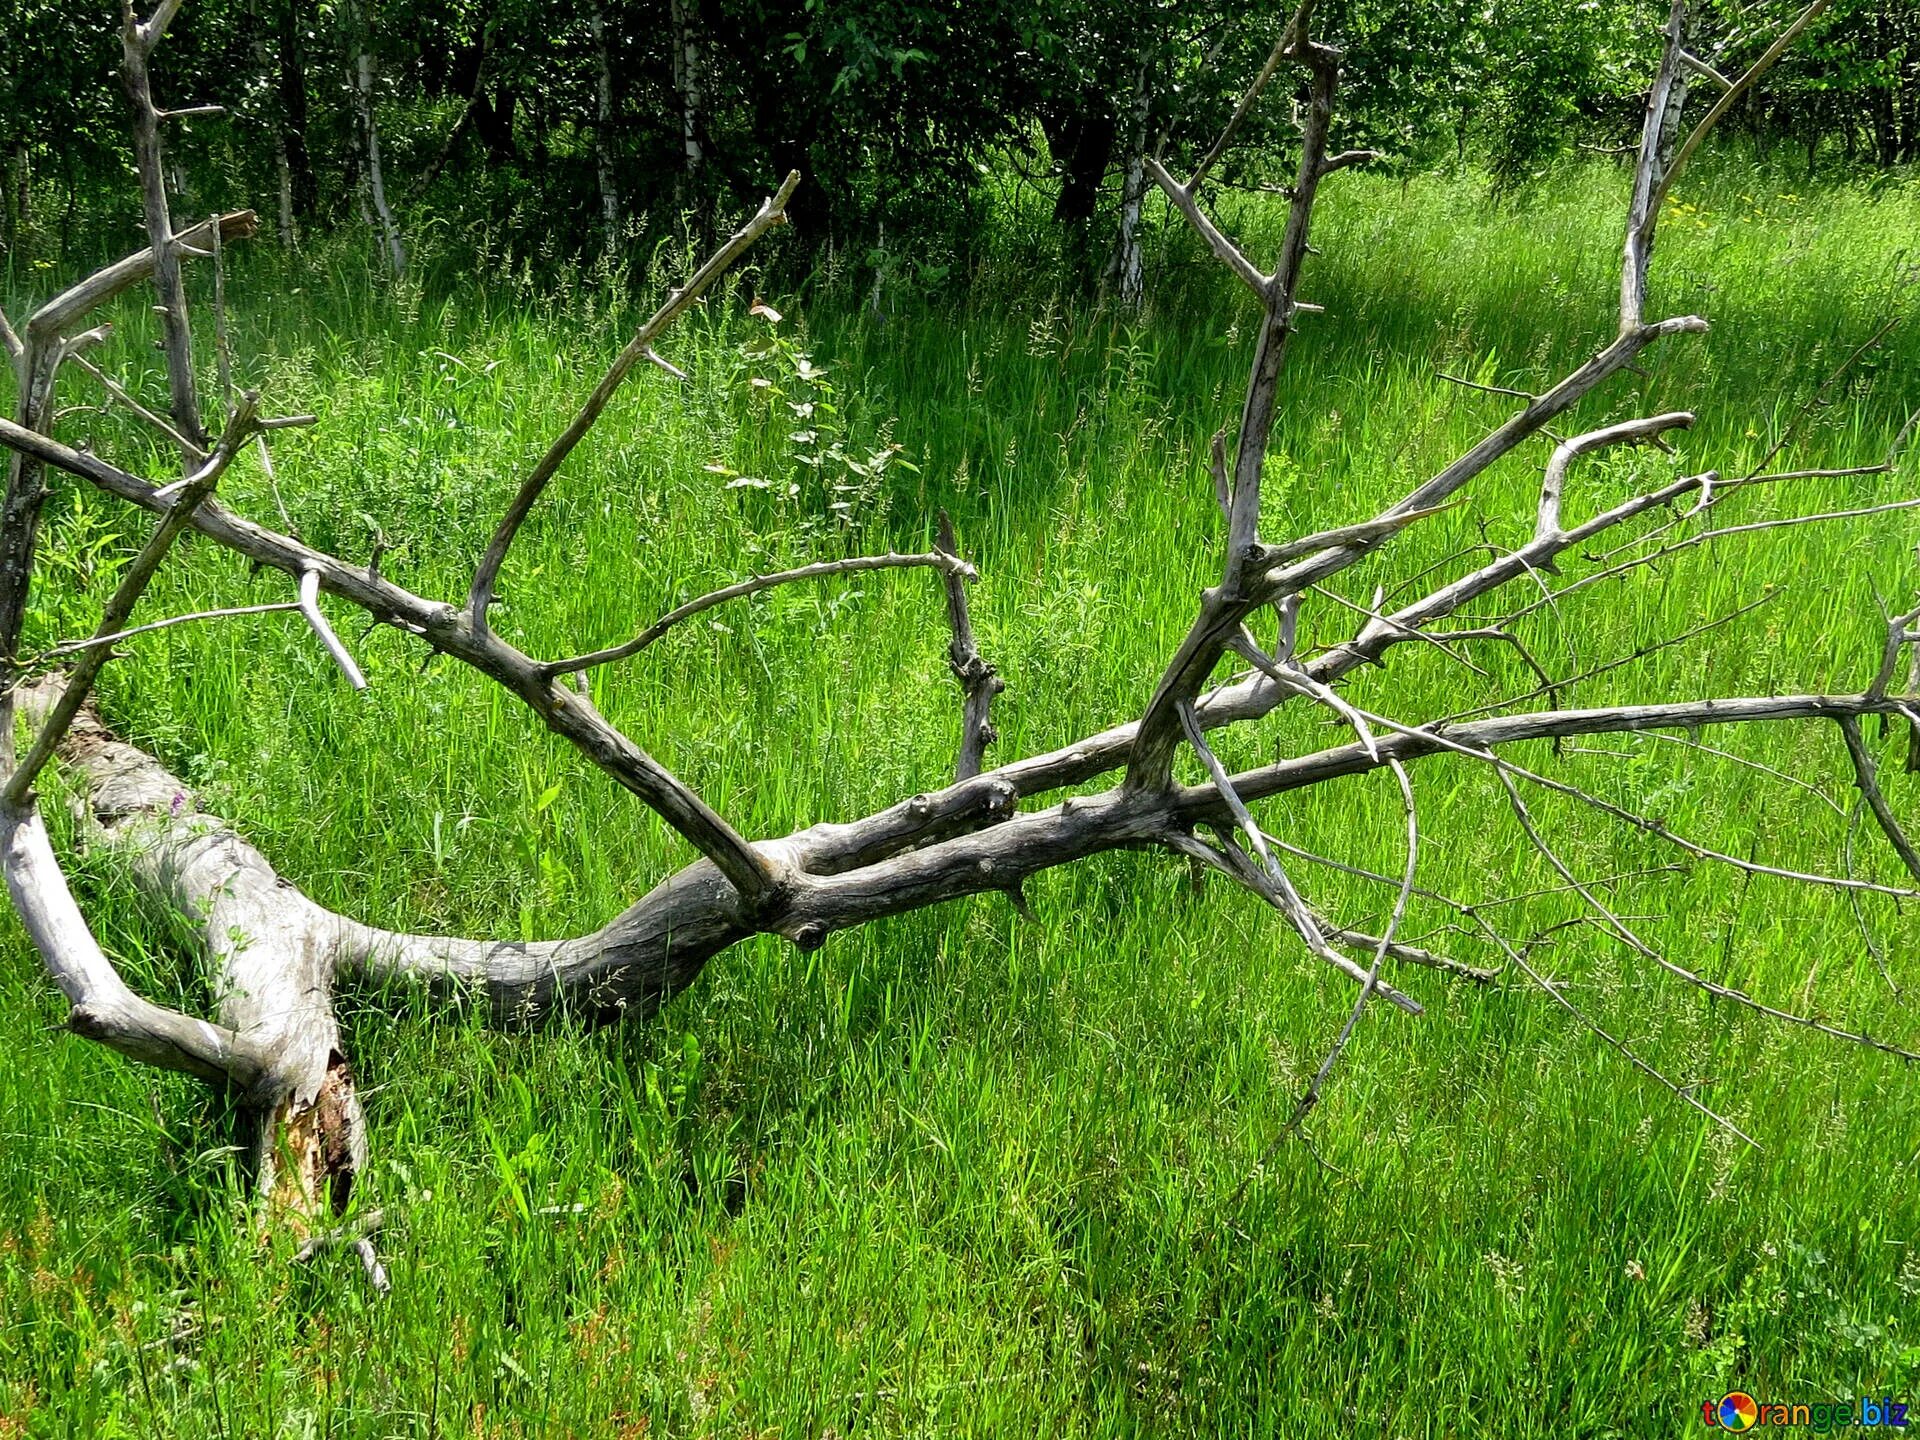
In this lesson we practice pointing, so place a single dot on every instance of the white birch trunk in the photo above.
(1129, 263)
(376, 177)
(686, 76)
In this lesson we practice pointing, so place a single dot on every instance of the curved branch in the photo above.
(446, 629)
(979, 681)
(820, 569)
(771, 213)
(53, 318)
(103, 1007)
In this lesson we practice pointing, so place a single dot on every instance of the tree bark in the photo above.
(686, 79)
(1129, 263)
(363, 75)
(271, 960)
(300, 181)
(603, 130)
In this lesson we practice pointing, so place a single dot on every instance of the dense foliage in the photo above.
(561, 128)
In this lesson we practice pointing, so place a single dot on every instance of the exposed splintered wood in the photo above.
(270, 954)
(273, 958)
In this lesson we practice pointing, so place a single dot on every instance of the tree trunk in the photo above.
(686, 78)
(283, 164)
(302, 185)
(396, 252)
(271, 970)
(1081, 142)
(1129, 266)
(1907, 87)
(493, 123)
(603, 127)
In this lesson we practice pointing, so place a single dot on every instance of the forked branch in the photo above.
(274, 955)
(773, 212)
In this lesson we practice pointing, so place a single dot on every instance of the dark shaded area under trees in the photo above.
(567, 128)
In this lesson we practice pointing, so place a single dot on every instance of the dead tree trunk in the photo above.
(274, 955)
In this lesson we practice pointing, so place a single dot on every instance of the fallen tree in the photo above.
(274, 957)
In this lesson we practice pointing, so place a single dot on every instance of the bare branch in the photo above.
(1618, 927)
(1347, 158)
(74, 647)
(15, 348)
(1408, 954)
(1553, 688)
(1656, 140)
(137, 42)
(1311, 1096)
(1274, 885)
(1626, 432)
(1366, 532)
(654, 359)
(54, 317)
(772, 213)
(820, 569)
(1557, 994)
(1476, 739)
(309, 604)
(1853, 900)
(140, 412)
(1733, 93)
(447, 629)
(1900, 635)
(1300, 683)
(1242, 587)
(1234, 863)
(979, 682)
(1484, 389)
(1229, 253)
(149, 35)
(222, 347)
(1704, 537)
(1866, 775)
(1705, 71)
(1245, 105)
(126, 594)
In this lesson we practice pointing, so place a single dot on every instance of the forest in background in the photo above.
(480, 127)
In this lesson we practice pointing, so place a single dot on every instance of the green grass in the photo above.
(958, 1173)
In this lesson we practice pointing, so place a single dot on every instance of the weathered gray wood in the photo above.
(274, 957)
(979, 681)
(136, 49)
